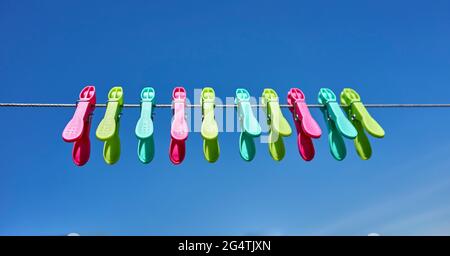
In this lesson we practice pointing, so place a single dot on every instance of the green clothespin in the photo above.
(361, 119)
(108, 129)
(279, 126)
(209, 129)
(337, 123)
(144, 126)
(249, 124)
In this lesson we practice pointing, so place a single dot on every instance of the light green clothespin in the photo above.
(209, 129)
(278, 125)
(108, 129)
(361, 119)
(144, 126)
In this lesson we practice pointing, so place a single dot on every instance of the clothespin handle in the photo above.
(335, 113)
(351, 99)
(179, 129)
(300, 109)
(277, 121)
(109, 124)
(209, 128)
(344, 126)
(247, 119)
(85, 107)
(144, 126)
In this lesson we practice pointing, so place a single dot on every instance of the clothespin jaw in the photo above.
(108, 129)
(209, 128)
(179, 129)
(77, 129)
(307, 127)
(337, 123)
(361, 119)
(144, 126)
(278, 125)
(249, 125)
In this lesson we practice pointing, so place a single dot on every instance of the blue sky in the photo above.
(389, 51)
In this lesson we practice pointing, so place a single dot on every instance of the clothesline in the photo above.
(71, 105)
(349, 122)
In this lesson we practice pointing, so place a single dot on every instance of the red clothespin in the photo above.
(179, 129)
(307, 127)
(77, 130)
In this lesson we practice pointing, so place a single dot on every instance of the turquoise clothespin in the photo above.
(249, 124)
(144, 126)
(337, 123)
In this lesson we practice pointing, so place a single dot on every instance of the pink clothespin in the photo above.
(179, 130)
(77, 130)
(307, 127)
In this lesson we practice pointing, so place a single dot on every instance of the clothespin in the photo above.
(337, 123)
(179, 129)
(307, 127)
(249, 124)
(278, 125)
(144, 126)
(77, 130)
(209, 129)
(361, 119)
(108, 129)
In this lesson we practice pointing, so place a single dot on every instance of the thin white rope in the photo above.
(71, 105)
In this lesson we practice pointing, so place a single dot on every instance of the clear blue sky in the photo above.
(389, 51)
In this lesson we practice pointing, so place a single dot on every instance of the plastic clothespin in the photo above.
(209, 129)
(278, 125)
(337, 123)
(361, 119)
(307, 127)
(108, 129)
(144, 126)
(77, 129)
(179, 129)
(249, 124)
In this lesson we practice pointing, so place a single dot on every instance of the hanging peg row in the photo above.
(348, 119)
